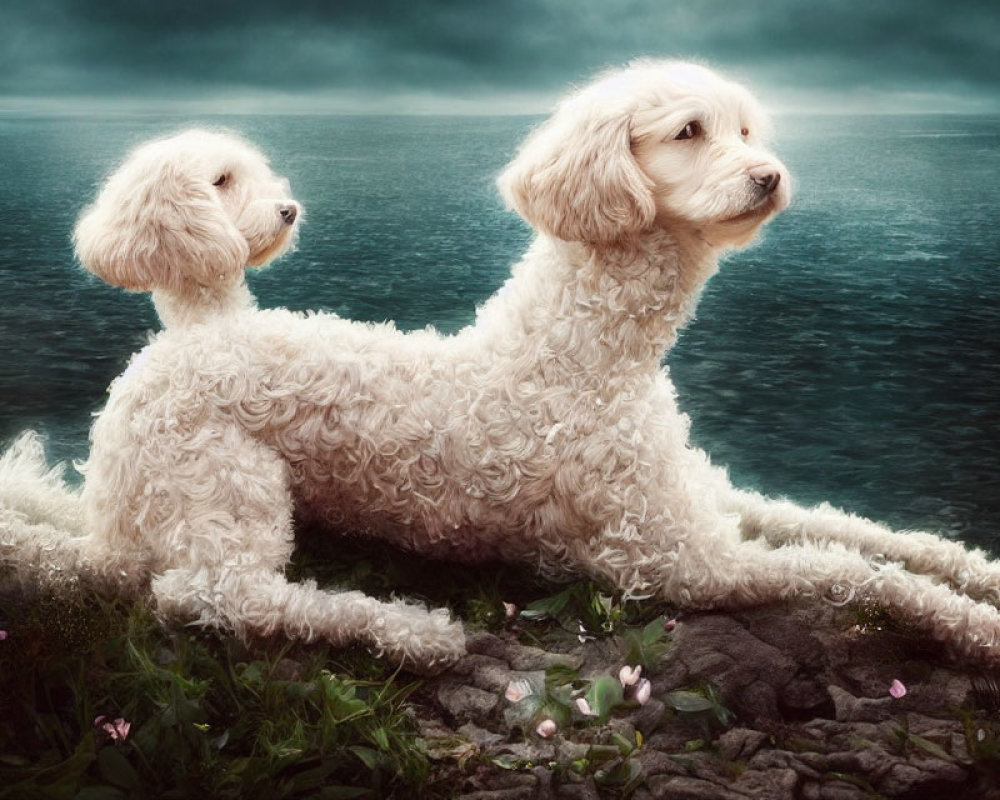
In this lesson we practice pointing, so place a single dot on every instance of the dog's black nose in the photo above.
(288, 214)
(765, 177)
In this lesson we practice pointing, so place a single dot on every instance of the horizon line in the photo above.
(511, 104)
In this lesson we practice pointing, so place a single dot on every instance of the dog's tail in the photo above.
(42, 536)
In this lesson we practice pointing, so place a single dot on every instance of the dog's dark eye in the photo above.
(744, 132)
(691, 130)
(222, 180)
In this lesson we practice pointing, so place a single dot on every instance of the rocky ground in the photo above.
(794, 703)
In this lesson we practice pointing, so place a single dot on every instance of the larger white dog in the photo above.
(547, 432)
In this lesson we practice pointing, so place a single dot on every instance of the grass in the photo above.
(211, 716)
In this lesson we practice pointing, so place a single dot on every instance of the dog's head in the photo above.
(658, 144)
(185, 212)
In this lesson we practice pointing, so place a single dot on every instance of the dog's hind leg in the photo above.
(780, 522)
(751, 574)
(42, 537)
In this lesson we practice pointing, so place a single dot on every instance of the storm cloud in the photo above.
(510, 55)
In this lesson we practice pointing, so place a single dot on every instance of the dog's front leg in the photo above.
(218, 518)
(781, 522)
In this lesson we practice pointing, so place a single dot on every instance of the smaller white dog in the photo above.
(182, 218)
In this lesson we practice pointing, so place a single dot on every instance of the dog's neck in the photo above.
(201, 304)
(609, 304)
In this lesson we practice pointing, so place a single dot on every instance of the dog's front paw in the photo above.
(424, 642)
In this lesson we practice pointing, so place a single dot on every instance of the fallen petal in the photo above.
(643, 692)
(122, 727)
(546, 728)
(629, 676)
(509, 610)
(517, 691)
(584, 707)
(897, 689)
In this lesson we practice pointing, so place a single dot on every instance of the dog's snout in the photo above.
(288, 214)
(767, 177)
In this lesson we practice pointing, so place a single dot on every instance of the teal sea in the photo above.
(852, 356)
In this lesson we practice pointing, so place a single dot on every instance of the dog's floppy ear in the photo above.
(575, 178)
(156, 224)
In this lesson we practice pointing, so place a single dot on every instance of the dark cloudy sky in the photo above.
(486, 55)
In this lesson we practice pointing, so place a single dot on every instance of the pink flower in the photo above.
(117, 730)
(670, 624)
(517, 691)
(3, 635)
(643, 692)
(546, 728)
(897, 689)
(629, 676)
(584, 707)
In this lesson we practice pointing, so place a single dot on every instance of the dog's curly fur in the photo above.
(548, 432)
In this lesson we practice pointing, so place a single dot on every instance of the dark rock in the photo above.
(676, 787)
(740, 743)
(467, 703)
(848, 708)
(479, 736)
(804, 699)
(721, 650)
(808, 691)
(518, 656)
(832, 790)
(578, 790)
(774, 784)
(649, 717)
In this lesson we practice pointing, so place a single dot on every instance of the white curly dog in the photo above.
(548, 432)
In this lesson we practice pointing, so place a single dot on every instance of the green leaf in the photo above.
(626, 774)
(505, 761)
(255, 672)
(605, 694)
(521, 714)
(935, 750)
(560, 675)
(368, 756)
(311, 779)
(653, 632)
(116, 769)
(599, 753)
(62, 780)
(381, 737)
(625, 747)
(548, 607)
(689, 702)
